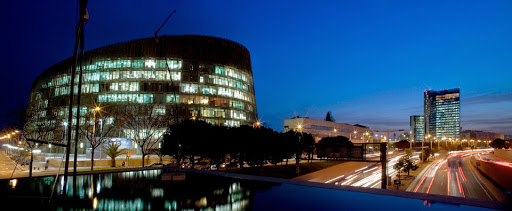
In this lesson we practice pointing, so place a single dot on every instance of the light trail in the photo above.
(370, 169)
(461, 189)
(431, 181)
(462, 175)
(423, 179)
(448, 176)
(328, 181)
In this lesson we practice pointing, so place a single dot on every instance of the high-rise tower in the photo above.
(442, 113)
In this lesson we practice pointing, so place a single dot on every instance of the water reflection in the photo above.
(13, 183)
(143, 190)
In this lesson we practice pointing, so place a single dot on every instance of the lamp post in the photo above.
(410, 143)
(350, 138)
(297, 155)
(422, 144)
(257, 124)
(94, 123)
(97, 109)
(65, 124)
(431, 140)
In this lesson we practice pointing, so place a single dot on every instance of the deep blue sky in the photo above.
(366, 61)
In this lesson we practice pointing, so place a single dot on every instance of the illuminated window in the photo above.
(149, 63)
(138, 63)
(134, 86)
(171, 98)
(188, 88)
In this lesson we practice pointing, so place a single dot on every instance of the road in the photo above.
(455, 176)
(362, 174)
(7, 167)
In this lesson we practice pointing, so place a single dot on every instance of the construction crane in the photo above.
(388, 131)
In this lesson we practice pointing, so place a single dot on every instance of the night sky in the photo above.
(366, 61)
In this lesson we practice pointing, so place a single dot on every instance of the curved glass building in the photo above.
(210, 78)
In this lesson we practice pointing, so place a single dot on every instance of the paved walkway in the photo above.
(7, 167)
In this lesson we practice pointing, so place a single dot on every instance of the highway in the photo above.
(367, 176)
(455, 176)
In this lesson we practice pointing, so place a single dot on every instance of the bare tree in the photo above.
(146, 124)
(99, 125)
(41, 125)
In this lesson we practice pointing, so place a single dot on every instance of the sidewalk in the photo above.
(423, 169)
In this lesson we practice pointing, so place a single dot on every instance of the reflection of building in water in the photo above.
(143, 190)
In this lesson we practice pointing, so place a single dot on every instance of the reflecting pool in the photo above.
(144, 190)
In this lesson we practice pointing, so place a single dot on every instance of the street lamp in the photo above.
(350, 138)
(94, 118)
(97, 109)
(299, 128)
(257, 124)
(297, 153)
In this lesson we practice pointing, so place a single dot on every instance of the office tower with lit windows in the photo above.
(417, 128)
(442, 113)
(209, 79)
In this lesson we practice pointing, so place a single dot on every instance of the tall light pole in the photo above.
(297, 155)
(422, 144)
(94, 123)
(65, 124)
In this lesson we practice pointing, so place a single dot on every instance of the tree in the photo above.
(189, 138)
(399, 166)
(498, 143)
(112, 150)
(40, 125)
(329, 145)
(160, 155)
(99, 125)
(328, 117)
(425, 153)
(405, 163)
(402, 144)
(146, 125)
(307, 145)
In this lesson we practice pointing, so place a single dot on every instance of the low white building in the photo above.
(321, 128)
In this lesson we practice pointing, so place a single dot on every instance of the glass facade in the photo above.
(442, 113)
(210, 78)
(417, 128)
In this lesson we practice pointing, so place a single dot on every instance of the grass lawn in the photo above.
(284, 171)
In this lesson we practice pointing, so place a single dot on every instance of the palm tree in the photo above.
(112, 150)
